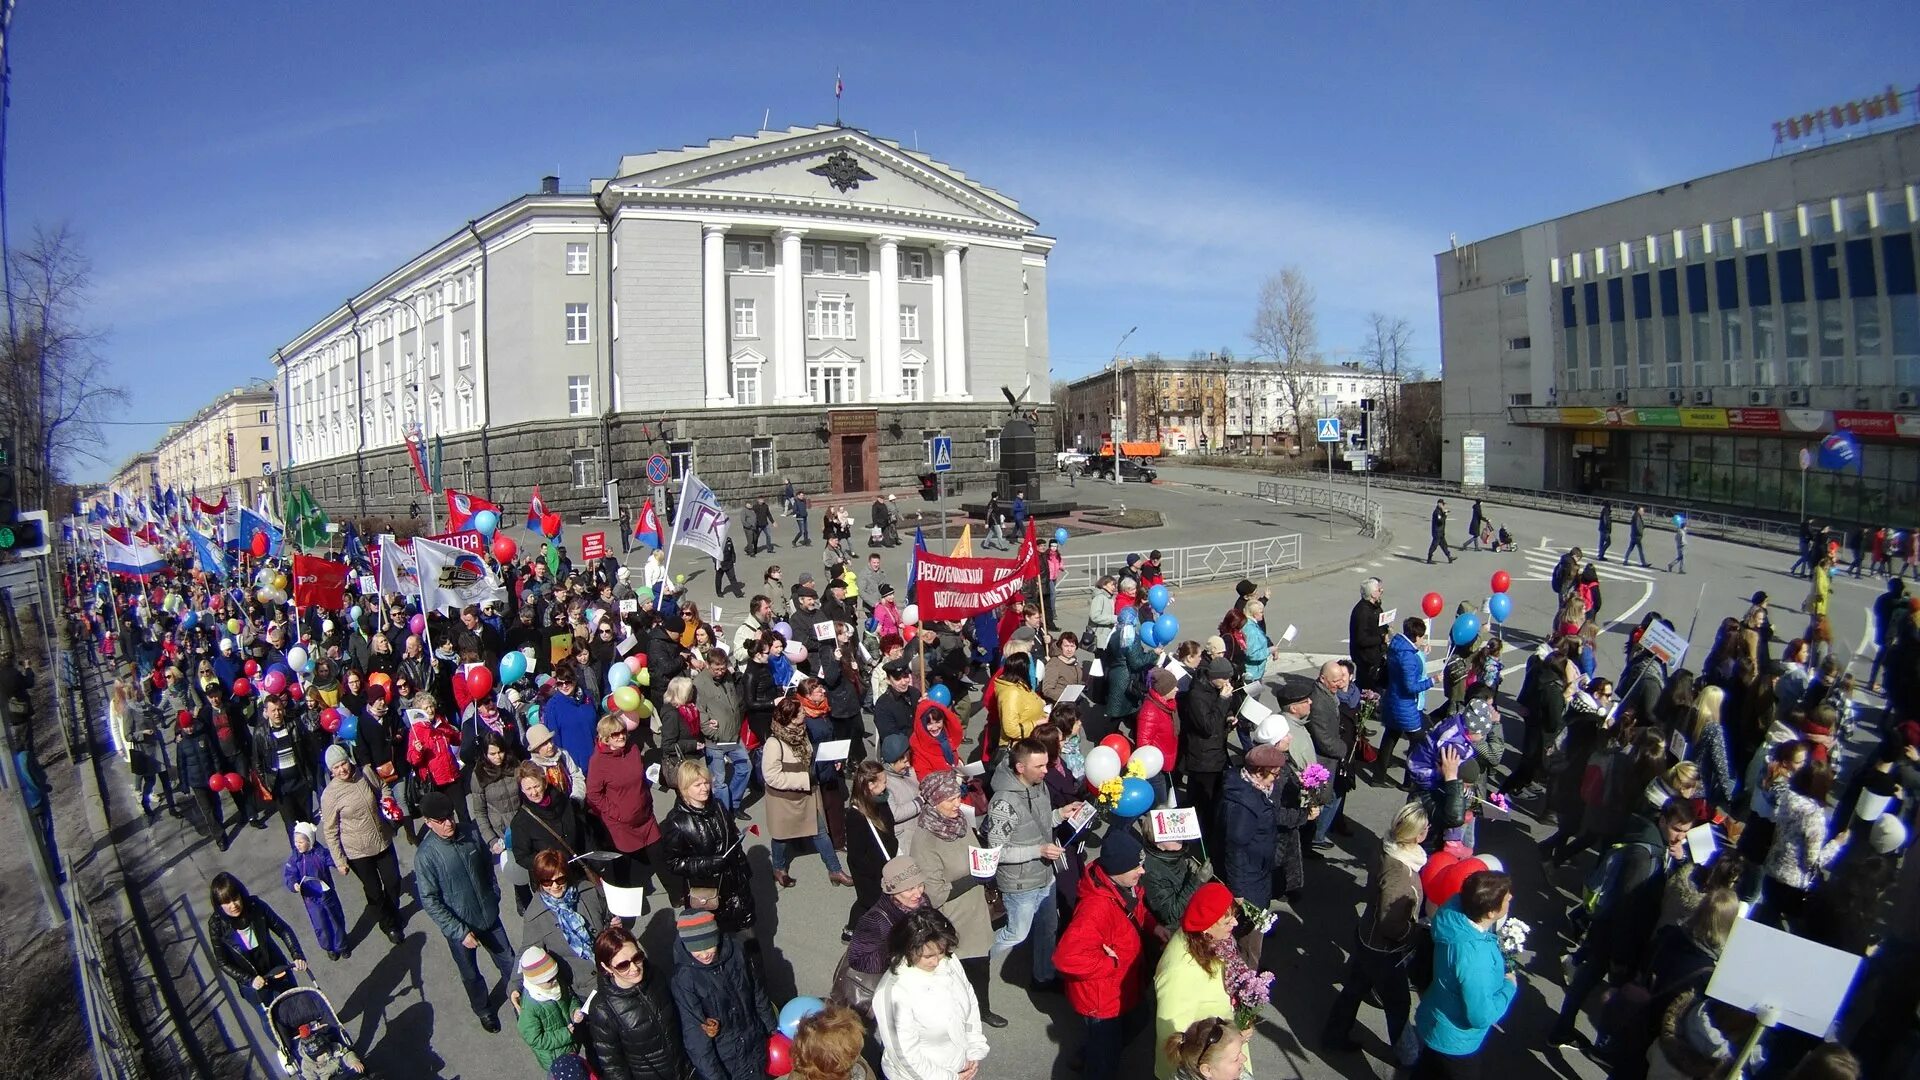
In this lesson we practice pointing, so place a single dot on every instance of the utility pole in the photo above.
(1119, 413)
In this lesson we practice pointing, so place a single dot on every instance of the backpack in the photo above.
(1423, 762)
(1605, 873)
(1559, 581)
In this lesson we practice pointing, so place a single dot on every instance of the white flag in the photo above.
(698, 521)
(451, 578)
(397, 572)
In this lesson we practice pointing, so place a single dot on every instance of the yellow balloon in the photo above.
(626, 699)
(280, 581)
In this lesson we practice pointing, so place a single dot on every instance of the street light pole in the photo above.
(1119, 417)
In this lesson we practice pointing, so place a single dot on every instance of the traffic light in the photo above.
(23, 536)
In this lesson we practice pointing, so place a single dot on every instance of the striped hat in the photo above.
(698, 930)
(537, 965)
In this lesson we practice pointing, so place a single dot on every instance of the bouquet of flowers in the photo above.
(1249, 990)
(1369, 709)
(1512, 936)
(1107, 795)
(1316, 781)
(1253, 918)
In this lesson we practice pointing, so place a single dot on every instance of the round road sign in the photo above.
(657, 470)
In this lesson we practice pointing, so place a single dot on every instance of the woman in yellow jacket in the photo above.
(1017, 708)
(1190, 982)
(1822, 591)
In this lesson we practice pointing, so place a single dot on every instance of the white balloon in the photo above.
(1103, 764)
(1150, 760)
(796, 652)
(910, 615)
(1492, 863)
(297, 658)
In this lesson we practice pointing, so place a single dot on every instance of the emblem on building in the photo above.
(843, 171)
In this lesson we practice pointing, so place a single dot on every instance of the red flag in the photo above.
(414, 440)
(461, 507)
(319, 582)
(206, 507)
(120, 534)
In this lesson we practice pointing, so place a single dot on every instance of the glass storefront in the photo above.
(1757, 473)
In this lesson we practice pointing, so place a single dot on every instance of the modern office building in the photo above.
(1210, 402)
(231, 444)
(1686, 344)
(815, 304)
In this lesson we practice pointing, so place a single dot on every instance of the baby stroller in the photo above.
(310, 1039)
(1502, 540)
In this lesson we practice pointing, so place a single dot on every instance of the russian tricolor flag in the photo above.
(133, 560)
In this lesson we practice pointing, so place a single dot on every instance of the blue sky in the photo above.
(237, 169)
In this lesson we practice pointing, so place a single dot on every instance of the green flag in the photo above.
(306, 522)
(551, 555)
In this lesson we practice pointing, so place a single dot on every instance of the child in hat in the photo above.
(309, 874)
(548, 1009)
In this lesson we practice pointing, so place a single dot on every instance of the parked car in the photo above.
(1135, 469)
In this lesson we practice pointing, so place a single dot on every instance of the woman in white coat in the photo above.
(925, 1014)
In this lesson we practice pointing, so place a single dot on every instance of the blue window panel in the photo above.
(1669, 292)
(1643, 296)
(1793, 276)
(1861, 279)
(1590, 299)
(1726, 285)
(1826, 272)
(1759, 287)
(1616, 300)
(1696, 288)
(1566, 307)
(1897, 253)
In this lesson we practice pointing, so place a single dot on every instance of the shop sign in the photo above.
(1753, 419)
(1808, 420)
(1907, 424)
(1581, 417)
(1704, 418)
(1658, 417)
(1863, 423)
(1473, 460)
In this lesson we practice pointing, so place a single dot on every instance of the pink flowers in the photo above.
(1315, 775)
(1249, 990)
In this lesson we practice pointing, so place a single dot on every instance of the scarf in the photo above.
(795, 736)
(811, 710)
(573, 926)
(546, 991)
(941, 828)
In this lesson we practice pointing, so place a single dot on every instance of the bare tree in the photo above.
(1286, 333)
(1386, 354)
(53, 382)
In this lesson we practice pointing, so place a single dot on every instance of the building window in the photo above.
(746, 380)
(760, 457)
(1515, 288)
(579, 395)
(833, 383)
(755, 256)
(830, 317)
(745, 324)
(466, 407)
(1515, 344)
(585, 469)
(927, 435)
(433, 359)
(578, 261)
(993, 444)
(263, 417)
(266, 443)
(576, 324)
(909, 322)
(913, 264)
(680, 454)
(1519, 399)
(466, 348)
(912, 382)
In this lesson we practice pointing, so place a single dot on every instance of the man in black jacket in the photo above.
(1367, 636)
(893, 710)
(1205, 716)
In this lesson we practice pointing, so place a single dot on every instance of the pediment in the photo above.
(838, 167)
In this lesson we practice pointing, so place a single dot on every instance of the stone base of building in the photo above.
(825, 451)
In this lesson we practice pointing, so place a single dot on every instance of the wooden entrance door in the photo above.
(852, 472)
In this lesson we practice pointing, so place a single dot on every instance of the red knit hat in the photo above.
(1209, 904)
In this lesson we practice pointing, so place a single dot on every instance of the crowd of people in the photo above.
(562, 762)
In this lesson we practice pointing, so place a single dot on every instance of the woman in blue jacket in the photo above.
(1407, 679)
(1471, 988)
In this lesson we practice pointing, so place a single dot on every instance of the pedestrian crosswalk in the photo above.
(1540, 563)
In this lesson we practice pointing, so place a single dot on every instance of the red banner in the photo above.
(1864, 423)
(593, 546)
(1753, 419)
(948, 588)
(319, 582)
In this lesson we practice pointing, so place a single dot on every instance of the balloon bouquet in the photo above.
(1119, 775)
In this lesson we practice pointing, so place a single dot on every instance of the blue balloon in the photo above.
(940, 695)
(188, 620)
(1060, 535)
(1158, 597)
(618, 676)
(1466, 628)
(513, 667)
(797, 1010)
(1127, 617)
(349, 725)
(1149, 635)
(1136, 798)
(485, 522)
(1500, 605)
(354, 614)
(1167, 629)
(1679, 520)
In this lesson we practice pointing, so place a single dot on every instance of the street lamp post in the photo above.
(418, 388)
(1119, 416)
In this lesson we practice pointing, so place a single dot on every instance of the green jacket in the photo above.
(1172, 879)
(543, 1026)
(454, 879)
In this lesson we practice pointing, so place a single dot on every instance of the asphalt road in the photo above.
(407, 1012)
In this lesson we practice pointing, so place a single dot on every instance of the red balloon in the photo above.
(242, 688)
(252, 668)
(329, 721)
(259, 545)
(636, 662)
(550, 524)
(217, 782)
(504, 549)
(479, 682)
(1120, 746)
(1432, 603)
(1501, 581)
(236, 782)
(779, 1054)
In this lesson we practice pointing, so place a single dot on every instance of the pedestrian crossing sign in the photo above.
(1328, 428)
(942, 453)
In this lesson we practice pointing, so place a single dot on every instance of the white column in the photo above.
(934, 335)
(885, 302)
(714, 296)
(790, 359)
(954, 322)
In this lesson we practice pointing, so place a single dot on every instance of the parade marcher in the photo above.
(1368, 636)
(453, 878)
(1384, 941)
(359, 836)
(793, 795)
(549, 1006)
(1102, 956)
(1472, 988)
(566, 914)
(1407, 683)
(1020, 820)
(1189, 982)
(926, 1018)
(252, 944)
(725, 1017)
(308, 874)
(633, 1030)
(621, 797)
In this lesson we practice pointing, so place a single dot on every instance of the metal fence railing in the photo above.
(1362, 510)
(1254, 559)
(115, 1055)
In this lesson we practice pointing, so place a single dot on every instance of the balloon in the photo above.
(259, 545)
(233, 626)
(645, 678)
(1060, 535)
(479, 682)
(380, 679)
(273, 682)
(188, 620)
(1466, 629)
(1121, 748)
(251, 667)
(1150, 760)
(1158, 597)
(504, 549)
(1502, 581)
(279, 581)
(1679, 520)
(784, 629)
(796, 652)
(236, 782)
(679, 579)
(353, 614)
(550, 525)
(626, 699)
(779, 1055)
(217, 782)
(242, 688)
(631, 723)
(417, 625)
(1127, 617)
(1136, 798)
(940, 695)
(619, 675)
(1500, 605)
(636, 662)
(330, 720)
(297, 658)
(797, 1010)
(264, 595)
(1102, 765)
(349, 729)
(1432, 603)
(910, 615)
(1167, 629)
(1149, 635)
(513, 667)
(485, 522)
(607, 705)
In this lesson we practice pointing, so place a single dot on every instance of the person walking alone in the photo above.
(1474, 522)
(1636, 531)
(1439, 527)
(1606, 528)
(1679, 544)
(800, 535)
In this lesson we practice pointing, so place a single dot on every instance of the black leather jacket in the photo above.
(275, 945)
(703, 846)
(633, 1034)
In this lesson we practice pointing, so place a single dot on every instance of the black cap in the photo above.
(436, 806)
(1217, 668)
(837, 583)
(1292, 691)
(805, 591)
(886, 590)
(898, 668)
(1245, 587)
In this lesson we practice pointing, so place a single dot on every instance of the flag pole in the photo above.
(666, 559)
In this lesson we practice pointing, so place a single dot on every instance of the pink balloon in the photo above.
(636, 662)
(273, 682)
(417, 624)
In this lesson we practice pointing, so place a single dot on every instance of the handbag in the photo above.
(853, 988)
(703, 898)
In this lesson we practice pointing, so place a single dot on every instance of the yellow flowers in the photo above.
(1109, 792)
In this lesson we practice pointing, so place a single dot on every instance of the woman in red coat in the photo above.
(619, 794)
(1154, 726)
(932, 721)
(432, 743)
(1102, 956)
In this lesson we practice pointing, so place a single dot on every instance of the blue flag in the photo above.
(251, 523)
(207, 555)
(913, 565)
(1841, 450)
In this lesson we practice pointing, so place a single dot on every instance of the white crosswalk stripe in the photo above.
(1540, 566)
